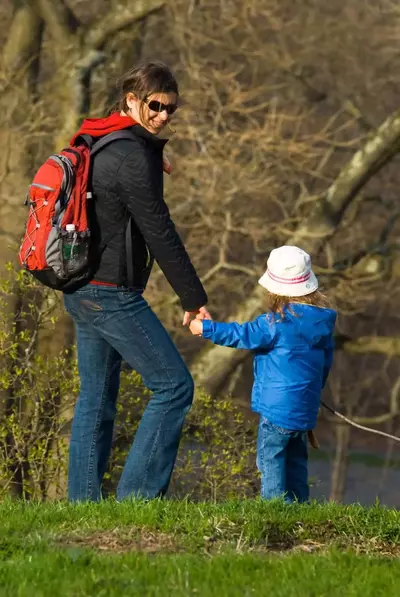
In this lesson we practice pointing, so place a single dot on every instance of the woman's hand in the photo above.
(202, 313)
(196, 327)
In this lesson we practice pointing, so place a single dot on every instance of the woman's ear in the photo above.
(131, 100)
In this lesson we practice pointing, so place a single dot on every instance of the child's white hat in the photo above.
(289, 272)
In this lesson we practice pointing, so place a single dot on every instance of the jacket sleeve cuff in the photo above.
(208, 328)
(194, 302)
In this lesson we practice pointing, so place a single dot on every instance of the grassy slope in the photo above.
(166, 548)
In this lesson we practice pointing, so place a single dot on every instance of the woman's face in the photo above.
(154, 112)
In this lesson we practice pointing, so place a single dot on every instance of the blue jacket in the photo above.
(293, 357)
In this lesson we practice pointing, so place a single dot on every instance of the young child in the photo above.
(293, 345)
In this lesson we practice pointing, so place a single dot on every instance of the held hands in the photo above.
(166, 165)
(196, 327)
(201, 313)
(193, 319)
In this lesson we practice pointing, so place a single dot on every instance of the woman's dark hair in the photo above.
(143, 80)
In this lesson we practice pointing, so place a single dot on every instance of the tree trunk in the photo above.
(340, 463)
(20, 59)
(20, 62)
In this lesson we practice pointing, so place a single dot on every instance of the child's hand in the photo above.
(196, 327)
(166, 165)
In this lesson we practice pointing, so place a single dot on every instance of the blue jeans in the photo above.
(111, 325)
(282, 460)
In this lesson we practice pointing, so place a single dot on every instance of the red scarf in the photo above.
(97, 127)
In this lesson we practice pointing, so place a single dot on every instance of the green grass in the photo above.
(181, 549)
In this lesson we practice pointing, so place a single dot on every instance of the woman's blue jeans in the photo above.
(111, 325)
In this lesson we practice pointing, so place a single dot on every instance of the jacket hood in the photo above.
(315, 324)
(97, 127)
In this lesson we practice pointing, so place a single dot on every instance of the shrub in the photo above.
(216, 459)
(36, 390)
(37, 395)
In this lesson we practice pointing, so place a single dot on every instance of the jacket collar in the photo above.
(140, 131)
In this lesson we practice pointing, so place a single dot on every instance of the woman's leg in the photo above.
(92, 427)
(148, 348)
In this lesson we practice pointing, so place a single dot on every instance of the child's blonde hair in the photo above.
(277, 303)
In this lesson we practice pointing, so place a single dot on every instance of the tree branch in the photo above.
(329, 210)
(60, 20)
(85, 68)
(379, 247)
(120, 18)
(387, 345)
(23, 40)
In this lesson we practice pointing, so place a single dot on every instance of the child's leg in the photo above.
(297, 468)
(271, 459)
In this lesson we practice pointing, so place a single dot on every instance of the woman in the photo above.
(131, 227)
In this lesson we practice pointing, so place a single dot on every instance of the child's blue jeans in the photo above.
(282, 459)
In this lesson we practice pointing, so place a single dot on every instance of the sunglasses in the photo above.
(156, 106)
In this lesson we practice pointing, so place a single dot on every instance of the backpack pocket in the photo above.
(67, 253)
(41, 208)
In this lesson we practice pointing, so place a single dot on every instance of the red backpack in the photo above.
(56, 248)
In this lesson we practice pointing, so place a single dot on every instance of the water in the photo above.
(367, 478)
(365, 482)
(72, 252)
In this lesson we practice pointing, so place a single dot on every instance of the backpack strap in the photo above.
(95, 147)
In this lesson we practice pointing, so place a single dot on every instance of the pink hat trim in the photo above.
(297, 280)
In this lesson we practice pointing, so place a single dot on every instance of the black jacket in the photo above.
(127, 181)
